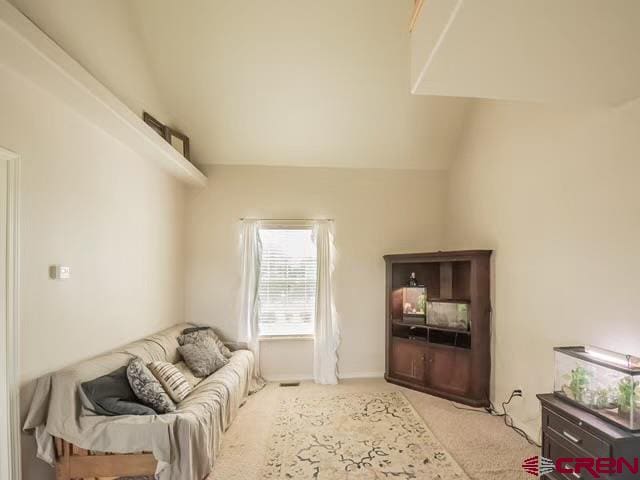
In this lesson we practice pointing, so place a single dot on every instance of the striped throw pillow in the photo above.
(172, 379)
(188, 374)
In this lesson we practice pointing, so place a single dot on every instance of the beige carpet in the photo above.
(480, 444)
(355, 436)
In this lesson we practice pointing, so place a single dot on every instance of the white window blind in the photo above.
(287, 289)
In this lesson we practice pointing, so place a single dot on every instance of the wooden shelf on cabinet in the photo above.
(431, 327)
(424, 341)
(450, 300)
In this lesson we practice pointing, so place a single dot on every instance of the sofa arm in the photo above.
(233, 346)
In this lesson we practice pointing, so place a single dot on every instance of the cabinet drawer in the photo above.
(574, 435)
(556, 447)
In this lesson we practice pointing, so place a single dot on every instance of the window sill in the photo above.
(268, 338)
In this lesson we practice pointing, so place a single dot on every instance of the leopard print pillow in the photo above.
(147, 387)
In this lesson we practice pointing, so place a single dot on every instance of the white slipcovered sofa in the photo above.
(174, 446)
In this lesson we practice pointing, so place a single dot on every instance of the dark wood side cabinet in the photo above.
(570, 432)
(449, 362)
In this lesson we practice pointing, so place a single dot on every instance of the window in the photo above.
(287, 290)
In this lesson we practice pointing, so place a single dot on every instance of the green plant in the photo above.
(421, 304)
(601, 398)
(626, 394)
(579, 384)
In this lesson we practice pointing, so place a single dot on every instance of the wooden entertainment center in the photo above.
(453, 363)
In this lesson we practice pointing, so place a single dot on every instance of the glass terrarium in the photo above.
(604, 382)
(448, 315)
(414, 305)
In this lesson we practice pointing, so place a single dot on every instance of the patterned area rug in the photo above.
(355, 436)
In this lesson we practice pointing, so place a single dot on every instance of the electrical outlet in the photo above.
(517, 392)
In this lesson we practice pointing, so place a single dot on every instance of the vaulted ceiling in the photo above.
(327, 82)
(305, 83)
(278, 82)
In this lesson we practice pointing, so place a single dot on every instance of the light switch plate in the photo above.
(59, 272)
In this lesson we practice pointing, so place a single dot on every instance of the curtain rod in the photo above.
(288, 219)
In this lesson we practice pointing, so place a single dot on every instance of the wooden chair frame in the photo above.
(77, 463)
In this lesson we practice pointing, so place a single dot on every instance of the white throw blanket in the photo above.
(185, 443)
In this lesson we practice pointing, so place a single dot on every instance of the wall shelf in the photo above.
(29, 52)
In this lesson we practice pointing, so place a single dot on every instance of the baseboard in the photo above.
(307, 376)
(288, 377)
(361, 375)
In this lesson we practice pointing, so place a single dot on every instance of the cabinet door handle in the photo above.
(571, 437)
(577, 475)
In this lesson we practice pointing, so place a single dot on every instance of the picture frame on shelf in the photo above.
(179, 141)
(157, 126)
(176, 139)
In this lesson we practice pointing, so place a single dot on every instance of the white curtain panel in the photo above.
(327, 335)
(251, 254)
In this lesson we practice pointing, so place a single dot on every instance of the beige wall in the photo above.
(375, 211)
(103, 36)
(555, 192)
(116, 219)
